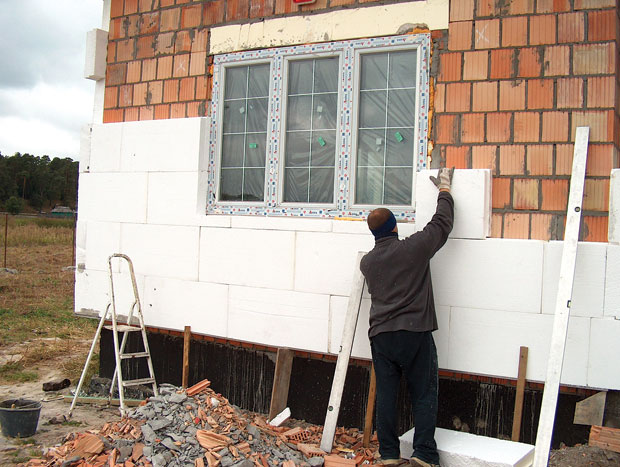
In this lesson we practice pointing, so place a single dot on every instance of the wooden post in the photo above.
(516, 419)
(281, 381)
(370, 406)
(187, 334)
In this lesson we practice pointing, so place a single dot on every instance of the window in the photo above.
(322, 130)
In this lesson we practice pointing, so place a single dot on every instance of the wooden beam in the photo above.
(370, 406)
(281, 381)
(187, 334)
(518, 413)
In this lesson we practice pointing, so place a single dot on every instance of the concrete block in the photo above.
(281, 223)
(603, 368)
(103, 239)
(96, 53)
(173, 145)
(488, 341)
(337, 316)
(588, 285)
(471, 190)
(324, 261)
(459, 449)
(279, 318)
(254, 258)
(105, 153)
(613, 231)
(612, 285)
(174, 304)
(85, 137)
(112, 197)
(173, 198)
(162, 251)
(496, 274)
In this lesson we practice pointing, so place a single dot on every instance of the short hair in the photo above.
(378, 217)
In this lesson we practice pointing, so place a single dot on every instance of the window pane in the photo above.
(402, 69)
(401, 107)
(300, 77)
(372, 109)
(234, 116)
(323, 148)
(297, 149)
(324, 111)
(298, 113)
(257, 114)
(258, 84)
(296, 185)
(399, 147)
(374, 71)
(230, 184)
(321, 185)
(232, 151)
(255, 149)
(371, 148)
(398, 186)
(326, 74)
(253, 184)
(236, 82)
(369, 186)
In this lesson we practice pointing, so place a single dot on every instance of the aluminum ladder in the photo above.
(119, 351)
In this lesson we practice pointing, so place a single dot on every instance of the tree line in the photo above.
(39, 182)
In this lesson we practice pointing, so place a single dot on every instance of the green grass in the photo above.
(21, 325)
(47, 222)
(15, 372)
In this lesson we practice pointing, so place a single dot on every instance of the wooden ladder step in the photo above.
(138, 382)
(124, 328)
(134, 355)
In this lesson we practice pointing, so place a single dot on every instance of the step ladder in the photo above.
(119, 350)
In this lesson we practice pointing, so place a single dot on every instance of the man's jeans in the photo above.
(412, 354)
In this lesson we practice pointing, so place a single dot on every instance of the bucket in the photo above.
(19, 417)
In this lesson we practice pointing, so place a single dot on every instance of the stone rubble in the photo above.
(198, 427)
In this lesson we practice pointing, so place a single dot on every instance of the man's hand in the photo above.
(444, 179)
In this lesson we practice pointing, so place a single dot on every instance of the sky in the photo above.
(44, 98)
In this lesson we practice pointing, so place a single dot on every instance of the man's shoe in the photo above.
(414, 461)
(392, 462)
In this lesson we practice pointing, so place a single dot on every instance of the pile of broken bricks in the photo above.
(199, 427)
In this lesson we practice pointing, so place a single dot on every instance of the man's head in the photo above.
(381, 222)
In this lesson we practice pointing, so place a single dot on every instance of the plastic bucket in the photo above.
(19, 417)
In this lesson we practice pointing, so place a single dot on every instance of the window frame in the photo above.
(346, 130)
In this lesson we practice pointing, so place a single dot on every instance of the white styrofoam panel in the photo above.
(471, 192)
(613, 230)
(337, 314)
(162, 250)
(324, 261)
(254, 258)
(80, 233)
(172, 145)
(216, 220)
(85, 137)
(96, 52)
(173, 198)
(174, 304)
(103, 240)
(105, 149)
(603, 368)
(112, 197)
(281, 223)
(357, 226)
(589, 283)
(612, 284)
(442, 335)
(496, 274)
(279, 318)
(488, 341)
(80, 257)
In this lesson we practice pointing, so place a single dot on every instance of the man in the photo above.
(402, 319)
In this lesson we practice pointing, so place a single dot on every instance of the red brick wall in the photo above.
(514, 80)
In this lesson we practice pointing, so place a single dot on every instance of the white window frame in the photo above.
(346, 132)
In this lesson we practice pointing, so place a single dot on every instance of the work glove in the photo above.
(444, 179)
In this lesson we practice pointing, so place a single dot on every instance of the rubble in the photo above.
(198, 427)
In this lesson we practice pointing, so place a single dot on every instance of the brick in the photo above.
(601, 91)
(111, 55)
(600, 159)
(341, 2)
(162, 111)
(125, 95)
(319, 5)
(155, 94)
(563, 159)
(116, 74)
(191, 16)
(458, 97)
(146, 47)
(497, 221)
(201, 87)
(530, 62)
(539, 159)
(602, 25)
(110, 97)
(284, 6)
(514, 31)
(487, 8)
(262, 8)
(239, 9)
(501, 63)
(557, 60)
(554, 195)
(131, 114)
(484, 157)
(124, 50)
(170, 20)
(131, 7)
(516, 225)
(593, 4)
(596, 195)
(591, 59)
(526, 127)
(570, 93)
(498, 127)
(525, 193)
(521, 7)
(501, 193)
(555, 126)
(113, 115)
(116, 29)
(171, 90)
(601, 123)
(147, 112)
(485, 96)
(459, 35)
(450, 66)
(475, 65)
(149, 23)
(116, 8)
(542, 29)
(164, 67)
(512, 95)
(439, 103)
(457, 157)
(139, 93)
(552, 6)
(472, 128)
(134, 71)
(594, 228)
(462, 10)
(539, 93)
(571, 27)
(196, 109)
(149, 69)
(541, 226)
(145, 5)
(187, 89)
(213, 12)
(447, 129)
(183, 42)
(164, 43)
(198, 63)
(199, 43)
(512, 160)
(486, 34)
(180, 67)
(177, 111)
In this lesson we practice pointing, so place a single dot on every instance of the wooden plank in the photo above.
(518, 413)
(340, 373)
(563, 299)
(591, 411)
(281, 381)
(605, 437)
(370, 407)
(187, 334)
